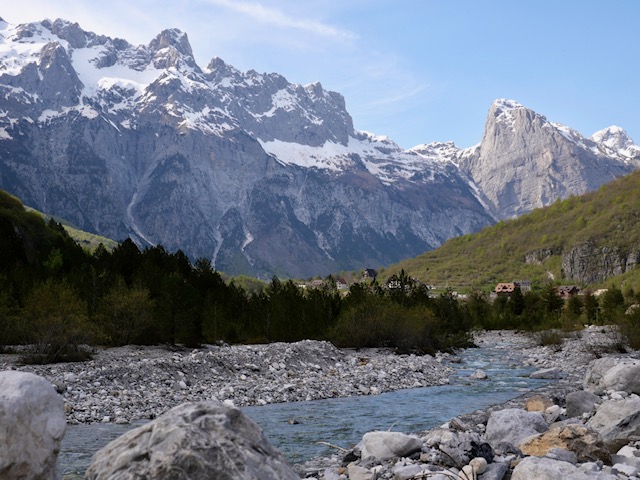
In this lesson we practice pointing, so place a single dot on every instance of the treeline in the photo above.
(57, 297)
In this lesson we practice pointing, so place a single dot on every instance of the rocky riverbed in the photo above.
(131, 383)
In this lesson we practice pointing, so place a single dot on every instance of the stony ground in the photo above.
(130, 383)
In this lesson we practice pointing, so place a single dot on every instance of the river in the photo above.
(343, 421)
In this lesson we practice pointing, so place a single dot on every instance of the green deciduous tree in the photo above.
(54, 322)
(125, 314)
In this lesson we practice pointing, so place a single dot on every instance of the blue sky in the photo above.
(415, 70)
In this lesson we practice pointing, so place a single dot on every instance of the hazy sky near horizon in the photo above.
(415, 70)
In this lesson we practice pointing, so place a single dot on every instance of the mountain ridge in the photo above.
(261, 175)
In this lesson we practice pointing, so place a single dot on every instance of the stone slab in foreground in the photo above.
(32, 424)
(194, 441)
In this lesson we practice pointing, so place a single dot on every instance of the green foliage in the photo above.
(608, 217)
(54, 324)
(612, 305)
(629, 326)
(125, 315)
(550, 338)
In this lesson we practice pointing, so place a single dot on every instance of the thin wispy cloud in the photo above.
(278, 18)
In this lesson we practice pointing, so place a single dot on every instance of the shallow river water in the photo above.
(343, 421)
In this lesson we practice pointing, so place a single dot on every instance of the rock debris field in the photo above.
(131, 383)
(585, 425)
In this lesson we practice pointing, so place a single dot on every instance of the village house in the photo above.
(505, 289)
(369, 275)
(566, 291)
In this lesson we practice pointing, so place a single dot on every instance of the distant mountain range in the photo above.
(258, 174)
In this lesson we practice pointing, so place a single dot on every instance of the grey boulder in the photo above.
(513, 425)
(547, 469)
(32, 424)
(581, 402)
(386, 445)
(617, 421)
(201, 440)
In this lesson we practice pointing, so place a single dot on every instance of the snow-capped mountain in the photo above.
(261, 175)
(258, 174)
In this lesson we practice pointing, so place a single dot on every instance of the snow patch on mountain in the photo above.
(380, 156)
(615, 141)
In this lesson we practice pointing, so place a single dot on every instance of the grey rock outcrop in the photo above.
(32, 424)
(591, 263)
(197, 441)
(525, 161)
(513, 425)
(617, 421)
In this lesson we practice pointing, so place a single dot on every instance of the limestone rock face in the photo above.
(590, 263)
(617, 421)
(193, 441)
(32, 424)
(583, 441)
(385, 445)
(513, 425)
(525, 162)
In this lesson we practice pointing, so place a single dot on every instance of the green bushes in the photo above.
(407, 322)
(54, 324)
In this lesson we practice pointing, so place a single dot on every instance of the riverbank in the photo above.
(565, 365)
(136, 383)
(128, 384)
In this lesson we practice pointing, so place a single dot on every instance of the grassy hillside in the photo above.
(608, 217)
(87, 240)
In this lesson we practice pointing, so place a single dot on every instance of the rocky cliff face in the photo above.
(262, 176)
(589, 263)
(525, 162)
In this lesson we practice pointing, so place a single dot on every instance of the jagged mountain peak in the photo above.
(262, 175)
(613, 136)
(525, 161)
(505, 104)
(614, 141)
(172, 37)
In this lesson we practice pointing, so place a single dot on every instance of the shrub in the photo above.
(54, 324)
(550, 338)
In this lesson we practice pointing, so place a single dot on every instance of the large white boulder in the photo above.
(611, 373)
(548, 469)
(512, 425)
(617, 421)
(32, 424)
(198, 441)
(386, 445)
